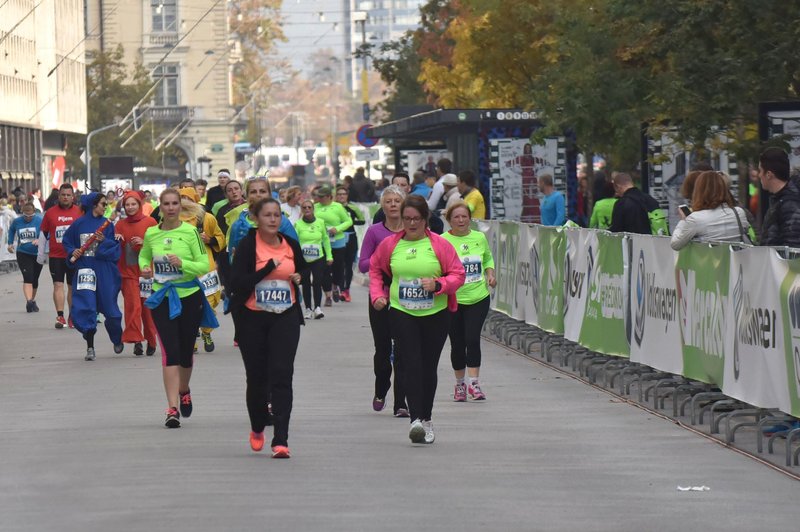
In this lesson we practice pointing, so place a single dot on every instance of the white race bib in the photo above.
(163, 271)
(473, 268)
(413, 297)
(210, 282)
(145, 287)
(27, 235)
(60, 230)
(87, 280)
(312, 252)
(273, 296)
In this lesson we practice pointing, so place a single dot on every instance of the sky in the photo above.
(307, 34)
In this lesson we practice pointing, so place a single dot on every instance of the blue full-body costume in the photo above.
(101, 258)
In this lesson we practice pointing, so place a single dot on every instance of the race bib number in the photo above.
(312, 251)
(473, 268)
(413, 297)
(90, 251)
(145, 287)
(273, 296)
(27, 235)
(60, 230)
(210, 282)
(87, 280)
(164, 272)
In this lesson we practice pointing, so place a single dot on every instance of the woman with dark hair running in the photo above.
(25, 230)
(425, 275)
(266, 272)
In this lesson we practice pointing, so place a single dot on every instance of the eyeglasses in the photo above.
(412, 219)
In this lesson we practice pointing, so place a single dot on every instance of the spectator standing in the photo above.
(603, 207)
(630, 212)
(419, 186)
(468, 187)
(553, 205)
(781, 225)
(363, 189)
(443, 166)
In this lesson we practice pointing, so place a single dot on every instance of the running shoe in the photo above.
(318, 314)
(71, 324)
(429, 435)
(208, 342)
(194, 351)
(34, 306)
(118, 348)
(346, 296)
(151, 350)
(137, 349)
(173, 419)
(257, 441)
(28, 307)
(328, 302)
(475, 393)
(280, 451)
(378, 404)
(61, 322)
(402, 412)
(460, 395)
(89, 354)
(337, 294)
(186, 403)
(309, 314)
(417, 432)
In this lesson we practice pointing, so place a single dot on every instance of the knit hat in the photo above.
(191, 193)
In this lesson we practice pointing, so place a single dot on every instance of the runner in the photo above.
(291, 207)
(54, 224)
(214, 240)
(425, 275)
(383, 362)
(130, 233)
(240, 220)
(316, 248)
(173, 255)
(473, 301)
(233, 198)
(266, 270)
(90, 243)
(351, 248)
(25, 230)
(337, 221)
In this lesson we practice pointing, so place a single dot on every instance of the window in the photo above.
(166, 94)
(165, 15)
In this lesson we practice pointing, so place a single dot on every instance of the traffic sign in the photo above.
(368, 155)
(363, 139)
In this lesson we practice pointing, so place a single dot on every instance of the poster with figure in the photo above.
(422, 160)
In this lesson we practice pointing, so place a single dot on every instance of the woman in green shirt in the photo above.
(603, 207)
(316, 246)
(173, 256)
(473, 301)
(337, 221)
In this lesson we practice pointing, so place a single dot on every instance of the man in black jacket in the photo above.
(362, 189)
(630, 211)
(782, 221)
(217, 193)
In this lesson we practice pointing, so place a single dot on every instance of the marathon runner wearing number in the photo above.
(233, 198)
(55, 223)
(351, 248)
(473, 301)
(337, 221)
(194, 213)
(383, 362)
(316, 248)
(173, 255)
(425, 275)
(130, 232)
(25, 231)
(266, 271)
(97, 281)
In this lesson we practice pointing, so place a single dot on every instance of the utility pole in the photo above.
(361, 16)
(89, 151)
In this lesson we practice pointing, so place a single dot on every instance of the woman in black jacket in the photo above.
(265, 305)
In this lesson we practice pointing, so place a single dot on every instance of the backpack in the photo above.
(659, 224)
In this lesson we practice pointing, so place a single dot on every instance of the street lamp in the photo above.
(361, 16)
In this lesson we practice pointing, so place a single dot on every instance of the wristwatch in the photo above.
(437, 287)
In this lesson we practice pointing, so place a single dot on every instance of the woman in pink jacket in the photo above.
(425, 274)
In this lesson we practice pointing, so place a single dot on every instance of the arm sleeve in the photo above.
(561, 212)
(146, 253)
(367, 249)
(453, 275)
(212, 229)
(109, 249)
(197, 264)
(594, 220)
(326, 242)
(12, 231)
(488, 260)
(436, 195)
(683, 234)
(377, 269)
(617, 222)
(346, 221)
(359, 217)
(45, 228)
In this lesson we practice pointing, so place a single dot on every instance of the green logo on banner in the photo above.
(790, 307)
(702, 280)
(552, 247)
(507, 242)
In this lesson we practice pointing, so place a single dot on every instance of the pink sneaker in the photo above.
(475, 392)
(460, 395)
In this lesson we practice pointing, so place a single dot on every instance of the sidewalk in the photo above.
(83, 446)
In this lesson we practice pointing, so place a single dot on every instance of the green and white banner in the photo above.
(551, 245)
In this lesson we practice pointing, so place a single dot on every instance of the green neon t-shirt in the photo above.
(412, 261)
(183, 241)
(336, 216)
(474, 252)
(313, 239)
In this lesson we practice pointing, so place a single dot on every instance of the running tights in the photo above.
(177, 336)
(314, 276)
(350, 254)
(382, 361)
(465, 334)
(335, 271)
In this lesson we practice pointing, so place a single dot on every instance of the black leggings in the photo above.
(382, 361)
(419, 342)
(177, 336)
(268, 343)
(350, 253)
(30, 269)
(335, 271)
(317, 269)
(465, 334)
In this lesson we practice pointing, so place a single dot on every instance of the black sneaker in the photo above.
(151, 350)
(173, 419)
(337, 295)
(29, 306)
(118, 348)
(208, 342)
(186, 403)
(34, 306)
(137, 349)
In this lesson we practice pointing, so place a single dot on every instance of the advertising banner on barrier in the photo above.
(702, 277)
(651, 319)
(581, 247)
(755, 362)
(550, 246)
(506, 248)
(790, 311)
(530, 270)
(603, 327)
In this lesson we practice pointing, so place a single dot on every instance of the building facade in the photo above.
(185, 46)
(43, 88)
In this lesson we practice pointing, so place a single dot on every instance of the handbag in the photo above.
(742, 233)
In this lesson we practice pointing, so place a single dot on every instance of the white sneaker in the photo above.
(417, 432)
(429, 435)
(318, 313)
(89, 354)
(308, 314)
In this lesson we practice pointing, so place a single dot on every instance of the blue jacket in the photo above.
(554, 209)
(26, 233)
(242, 226)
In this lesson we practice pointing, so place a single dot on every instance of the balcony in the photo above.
(164, 39)
(169, 115)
